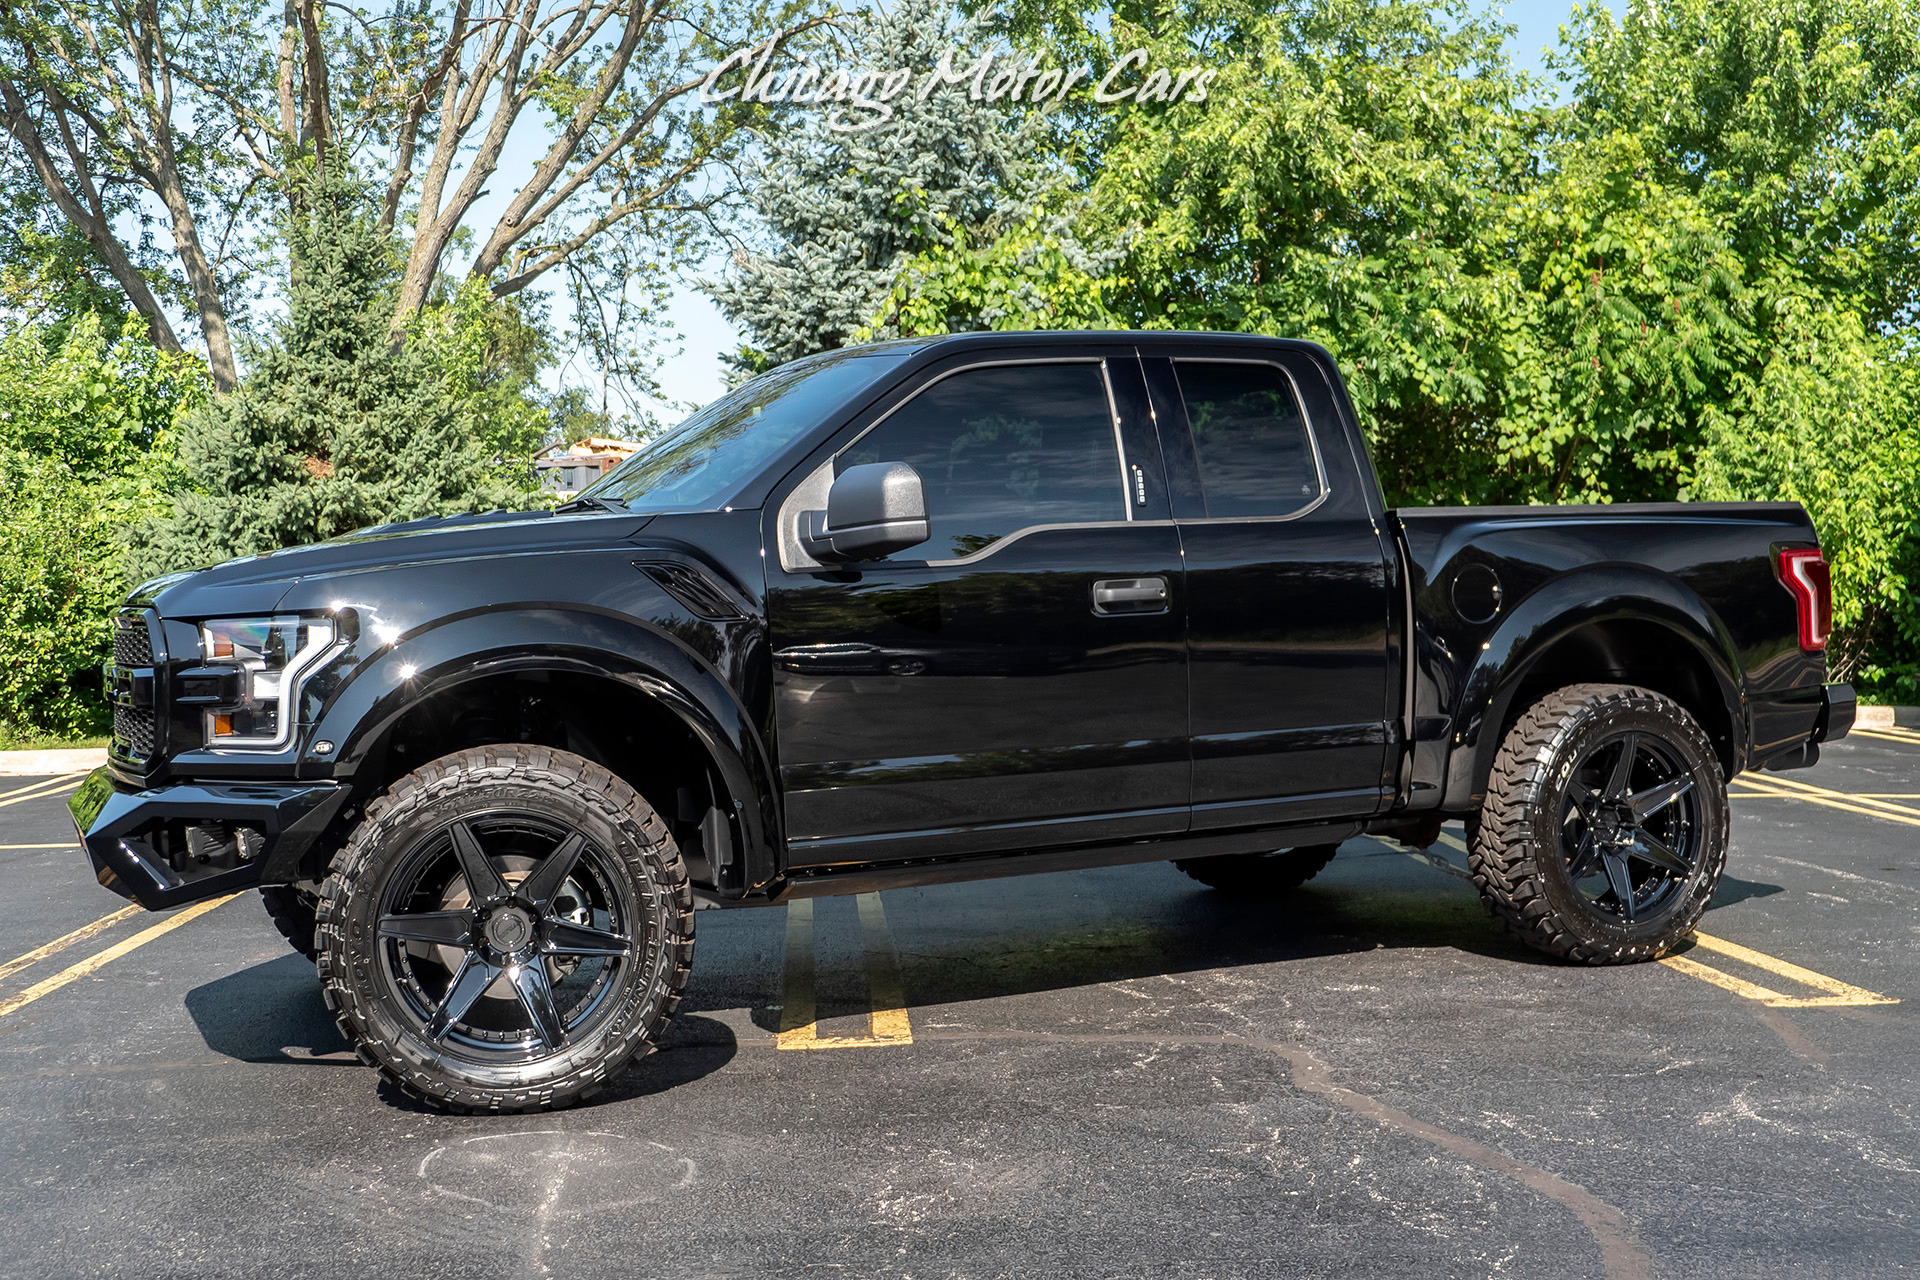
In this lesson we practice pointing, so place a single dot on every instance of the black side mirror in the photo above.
(872, 511)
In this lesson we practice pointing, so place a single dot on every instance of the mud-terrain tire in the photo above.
(1585, 858)
(294, 913)
(1260, 876)
(450, 917)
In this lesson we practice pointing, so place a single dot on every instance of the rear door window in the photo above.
(1255, 452)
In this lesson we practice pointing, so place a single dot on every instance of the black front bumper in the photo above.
(121, 827)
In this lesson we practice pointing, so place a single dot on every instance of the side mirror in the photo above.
(872, 511)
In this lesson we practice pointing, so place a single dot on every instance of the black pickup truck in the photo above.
(926, 611)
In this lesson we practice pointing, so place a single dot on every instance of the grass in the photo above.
(11, 741)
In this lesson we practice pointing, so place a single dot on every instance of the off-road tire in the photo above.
(530, 779)
(1260, 876)
(1515, 854)
(294, 912)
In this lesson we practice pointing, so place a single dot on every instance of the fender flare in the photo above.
(362, 711)
(1598, 594)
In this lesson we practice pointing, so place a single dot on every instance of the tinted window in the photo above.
(1000, 449)
(700, 463)
(1255, 456)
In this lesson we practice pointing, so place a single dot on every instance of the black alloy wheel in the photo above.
(526, 961)
(1628, 826)
(1604, 830)
(506, 929)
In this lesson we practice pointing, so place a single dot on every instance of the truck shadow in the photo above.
(1027, 935)
(272, 1012)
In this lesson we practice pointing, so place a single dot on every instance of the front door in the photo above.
(1019, 680)
(1288, 592)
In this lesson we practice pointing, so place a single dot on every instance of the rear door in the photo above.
(1287, 585)
(1017, 682)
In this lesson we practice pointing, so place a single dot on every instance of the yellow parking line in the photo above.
(1831, 799)
(1707, 973)
(42, 790)
(796, 981)
(887, 1019)
(1875, 802)
(1887, 735)
(71, 844)
(33, 786)
(60, 944)
(73, 973)
(1838, 994)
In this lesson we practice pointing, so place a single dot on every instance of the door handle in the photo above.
(1130, 595)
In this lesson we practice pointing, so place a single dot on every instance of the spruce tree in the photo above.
(843, 212)
(335, 427)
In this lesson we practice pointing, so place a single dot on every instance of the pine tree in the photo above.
(334, 428)
(845, 211)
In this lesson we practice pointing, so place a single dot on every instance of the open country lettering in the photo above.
(749, 75)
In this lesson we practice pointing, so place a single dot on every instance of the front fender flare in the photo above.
(364, 709)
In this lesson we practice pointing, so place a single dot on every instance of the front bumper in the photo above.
(135, 837)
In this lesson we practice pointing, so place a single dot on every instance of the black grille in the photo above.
(132, 646)
(133, 731)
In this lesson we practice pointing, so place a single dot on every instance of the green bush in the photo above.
(84, 453)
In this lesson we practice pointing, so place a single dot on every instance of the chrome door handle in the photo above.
(1130, 595)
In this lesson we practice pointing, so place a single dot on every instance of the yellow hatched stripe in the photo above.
(60, 944)
(1832, 800)
(97, 961)
(41, 790)
(887, 1020)
(1838, 992)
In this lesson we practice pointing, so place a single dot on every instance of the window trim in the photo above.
(789, 511)
(1306, 421)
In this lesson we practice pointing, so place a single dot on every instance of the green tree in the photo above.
(844, 211)
(335, 428)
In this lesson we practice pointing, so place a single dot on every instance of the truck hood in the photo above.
(257, 584)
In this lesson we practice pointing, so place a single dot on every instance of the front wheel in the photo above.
(505, 930)
(1604, 830)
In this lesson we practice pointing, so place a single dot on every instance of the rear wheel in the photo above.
(1604, 830)
(506, 929)
(1260, 875)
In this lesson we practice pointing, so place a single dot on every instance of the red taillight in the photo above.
(1805, 574)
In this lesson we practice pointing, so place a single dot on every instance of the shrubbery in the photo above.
(85, 451)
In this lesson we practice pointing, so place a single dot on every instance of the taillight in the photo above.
(1804, 573)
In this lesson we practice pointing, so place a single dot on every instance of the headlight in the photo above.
(273, 655)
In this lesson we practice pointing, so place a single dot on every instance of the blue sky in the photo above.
(693, 376)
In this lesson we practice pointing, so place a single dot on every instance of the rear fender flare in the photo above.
(1610, 593)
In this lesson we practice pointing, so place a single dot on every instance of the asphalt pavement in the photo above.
(1112, 1073)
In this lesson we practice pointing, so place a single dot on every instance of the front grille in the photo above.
(136, 723)
(132, 645)
(133, 731)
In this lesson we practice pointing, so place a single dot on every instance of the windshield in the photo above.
(701, 461)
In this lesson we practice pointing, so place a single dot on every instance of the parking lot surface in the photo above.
(1107, 1073)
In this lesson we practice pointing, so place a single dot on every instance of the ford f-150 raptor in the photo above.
(925, 611)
